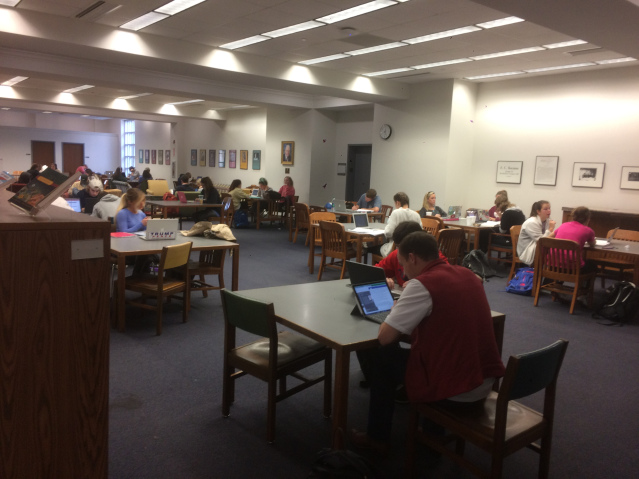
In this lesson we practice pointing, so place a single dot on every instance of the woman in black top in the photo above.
(144, 184)
(211, 196)
(118, 175)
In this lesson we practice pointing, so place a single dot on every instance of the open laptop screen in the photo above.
(373, 297)
(74, 203)
(360, 220)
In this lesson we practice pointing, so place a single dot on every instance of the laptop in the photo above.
(340, 206)
(361, 273)
(374, 300)
(361, 220)
(182, 197)
(108, 173)
(74, 203)
(160, 229)
(454, 211)
(606, 242)
(255, 192)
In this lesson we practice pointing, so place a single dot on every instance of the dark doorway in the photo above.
(42, 152)
(358, 170)
(72, 157)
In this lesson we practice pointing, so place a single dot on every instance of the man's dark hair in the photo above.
(186, 177)
(372, 193)
(421, 244)
(401, 197)
(581, 214)
(404, 229)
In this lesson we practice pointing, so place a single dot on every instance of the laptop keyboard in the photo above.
(377, 317)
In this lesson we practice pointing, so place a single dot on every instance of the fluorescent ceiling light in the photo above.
(46, 112)
(378, 48)
(505, 54)
(617, 60)
(6, 108)
(244, 42)
(547, 69)
(446, 34)
(329, 58)
(501, 22)
(78, 88)
(13, 81)
(356, 11)
(9, 3)
(388, 72)
(183, 102)
(177, 6)
(143, 21)
(493, 75)
(130, 97)
(300, 27)
(565, 44)
(440, 64)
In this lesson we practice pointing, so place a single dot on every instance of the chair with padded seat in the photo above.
(613, 268)
(500, 426)
(450, 243)
(272, 358)
(171, 278)
(314, 237)
(211, 262)
(335, 245)
(559, 260)
(302, 220)
(431, 224)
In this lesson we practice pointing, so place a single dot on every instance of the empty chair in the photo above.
(211, 262)
(432, 224)
(501, 426)
(501, 243)
(450, 243)
(335, 245)
(314, 233)
(302, 220)
(226, 213)
(271, 358)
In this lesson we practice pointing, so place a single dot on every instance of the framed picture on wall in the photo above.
(147, 156)
(193, 157)
(244, 159)
(257, 159)
(588, 175)
(167, 157)
(221, 158)
(160, 157)
(546, 170)
(202, 157)
(232, 155)
(212, 158)
(141, 156)
(509, 171)
(173, 170)
(630, 177)
(288, 152)
(153, 157)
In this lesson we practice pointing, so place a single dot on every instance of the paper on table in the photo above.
(367, 230)
(601, 242)
(489, 224)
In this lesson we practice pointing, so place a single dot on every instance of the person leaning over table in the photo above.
(237, 194)
(118, 175)
(453, 357)
(536, 226)
(510, 216)
(211, 196)
(578, 231)
(429, 208)
(494, 213)
(369, 201)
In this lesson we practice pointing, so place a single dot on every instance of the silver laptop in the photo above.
(160, 229)
(340, 206)
(374, 300)
(361, 220)
(454, 211)
(605, 242)
(255, 192)
(361, 273)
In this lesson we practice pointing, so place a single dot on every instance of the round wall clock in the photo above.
(385, 131)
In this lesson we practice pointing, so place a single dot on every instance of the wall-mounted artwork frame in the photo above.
(232, 158)
(509, 172)
(221, 158)
(193, 157)
(153, 157)
(160, 157)
(244, 159)
(288, 152)
(202, 157)
(546, 170)
(167, 157)
(147, 156)
(257, 160)
(141, 156)
(212, 158)
(629, 178)
(588, 175)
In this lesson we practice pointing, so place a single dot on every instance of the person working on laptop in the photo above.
(134, 175)
(453, 357)
(93, 189)
(369, 201)
(185, 183)
(211, 196)
(131, 218)
(429, 208)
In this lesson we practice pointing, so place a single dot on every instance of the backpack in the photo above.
(240, 218)
(621, 304)
(522, 282)
(168, 196)
(477, 262)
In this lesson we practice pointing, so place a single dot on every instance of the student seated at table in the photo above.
(134, 175)
(238, 195)
(107, 207)
(146, 176)
(131, 218)
(93, 189)
(77, 186)
(578, 231)
(185, 183)
(211, 196)
(494, 213)
(24, 178)
(510, 215)
(539, 224)
(429, 208)
(401, 213)
(118, 175)
(369, 201)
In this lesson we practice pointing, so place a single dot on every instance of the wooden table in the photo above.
(626, 251)
(475, 230)
(165, 205)
(378, 217)
(360, 237)
(134, 245)
(321, 311)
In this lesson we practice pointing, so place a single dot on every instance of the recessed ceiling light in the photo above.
(129, 97)
(13, 81)
(565, 44)
(9, 3)
(177, 6)
(501, 22)
(329, 58)
(6, 108)
(446, 34)
(378, 48)
(244, 42)
(440, 64)
(143, 21)
(547, 69)
(183, 102)
(300, 27)
(493, 75)
(356, 11)
(617, 60)
(47, 112)
(388, 72)
(510, 52)
(78, 88)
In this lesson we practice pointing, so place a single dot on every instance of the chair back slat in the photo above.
(431, 225)
(450, 241)
(247, 314)
(333, 239)
(302, 214)
(559, 257)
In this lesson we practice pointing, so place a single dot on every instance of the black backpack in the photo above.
(620, 305)
(477, 262)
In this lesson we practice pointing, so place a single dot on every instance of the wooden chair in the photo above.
(505, 248)
(271, 359)
(211, 262)
(560, 261)
(335, 245)
(516, 262)
(386, 211)
(166, 284)
(431, 224)
(302, 220)
(273, 213)
(450, 242)
(226, 214)
(503, 426)
(612, 268)
(289, 206)
(314, 233)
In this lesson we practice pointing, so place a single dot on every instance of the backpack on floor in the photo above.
(522, 282)
(241, 219)
(620, 305)
(477, 262)
(342, 463)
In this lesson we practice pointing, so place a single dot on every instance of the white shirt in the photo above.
(399, 215)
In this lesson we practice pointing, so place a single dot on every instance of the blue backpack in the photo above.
(522, 282)
(241, 219)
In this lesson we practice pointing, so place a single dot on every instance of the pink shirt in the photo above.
(581, 234)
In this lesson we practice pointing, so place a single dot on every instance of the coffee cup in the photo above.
(429, 213)
(470, 220)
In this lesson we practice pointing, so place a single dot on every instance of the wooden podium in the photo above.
(54, 344)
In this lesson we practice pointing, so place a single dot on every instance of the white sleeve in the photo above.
(391, 225)
(413, 305)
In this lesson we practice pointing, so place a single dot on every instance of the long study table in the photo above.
(626, 251)
(165, 205)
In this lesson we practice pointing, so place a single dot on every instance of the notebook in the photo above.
(160, 229)
(605, 242)
(361, 273)
(74, 203)
(374, 300)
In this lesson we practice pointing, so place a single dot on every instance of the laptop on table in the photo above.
(454, 212)
(361, 273)
(160, 229)
(74, 203)
(606, 242)
(374, 300)
(339, 206)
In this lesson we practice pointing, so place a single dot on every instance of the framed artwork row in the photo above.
(218, 157)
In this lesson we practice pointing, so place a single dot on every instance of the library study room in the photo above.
(219, 219)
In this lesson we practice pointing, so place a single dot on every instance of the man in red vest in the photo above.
(453, 355)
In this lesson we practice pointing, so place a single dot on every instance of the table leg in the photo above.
(311, 250)
(340, 397)
(165, 212)
(121, 292)
(236, 268)
(359, 249)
